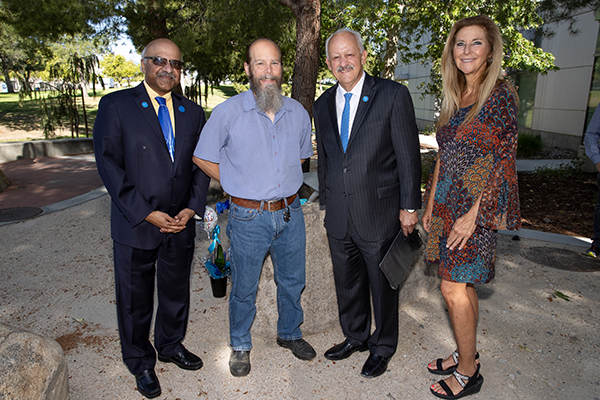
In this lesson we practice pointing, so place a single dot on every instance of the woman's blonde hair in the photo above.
(454, 81)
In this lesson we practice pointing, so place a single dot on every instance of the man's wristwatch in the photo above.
(409, 210)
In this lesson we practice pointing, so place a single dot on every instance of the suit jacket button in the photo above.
(345, 170)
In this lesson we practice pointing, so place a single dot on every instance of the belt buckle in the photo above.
(272, 202)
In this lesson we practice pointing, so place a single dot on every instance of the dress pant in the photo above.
(358, 278)
(135, 271)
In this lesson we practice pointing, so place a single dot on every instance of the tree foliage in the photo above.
(418, 28)
(120, 69)
(212, 34)
(20, 56)
(52, 18)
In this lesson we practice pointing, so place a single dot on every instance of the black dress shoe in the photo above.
(184, 360)
(343, 350)
(374, 366)
(299, 347)
(147, 384)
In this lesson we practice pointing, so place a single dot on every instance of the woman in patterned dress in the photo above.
(473, 190)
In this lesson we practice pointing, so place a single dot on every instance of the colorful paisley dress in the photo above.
(475, 158)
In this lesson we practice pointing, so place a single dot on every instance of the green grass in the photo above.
(26, 115)
(216, 97)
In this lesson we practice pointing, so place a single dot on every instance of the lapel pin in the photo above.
(182, 108)
(144, 104)
(366, 98)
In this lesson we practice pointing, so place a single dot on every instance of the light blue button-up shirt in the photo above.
(258, 159)
(592, 137)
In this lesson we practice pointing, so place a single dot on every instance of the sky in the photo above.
(124, 47)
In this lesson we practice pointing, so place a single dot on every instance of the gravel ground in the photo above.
(57, 281)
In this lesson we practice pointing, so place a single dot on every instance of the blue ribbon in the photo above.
(215, 239)
(214, 271)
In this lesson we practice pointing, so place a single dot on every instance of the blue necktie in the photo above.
(165, 124)
(345, 131)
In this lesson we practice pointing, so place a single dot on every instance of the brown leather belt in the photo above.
(272, 205)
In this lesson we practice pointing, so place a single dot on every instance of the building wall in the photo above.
(561, 97)
(416, 74)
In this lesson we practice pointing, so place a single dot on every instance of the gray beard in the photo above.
(269, 98)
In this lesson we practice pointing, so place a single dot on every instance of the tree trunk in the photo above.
(306, 65)
(308, 37)
(390, 59)
(4, 182)
(83, 108)
(9, 85)
(158, 22)
(84, 90)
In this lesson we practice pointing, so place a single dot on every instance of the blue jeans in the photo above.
(252, 234)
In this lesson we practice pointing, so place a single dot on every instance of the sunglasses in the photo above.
(161, 62)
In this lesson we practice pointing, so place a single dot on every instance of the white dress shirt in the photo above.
(340, 102)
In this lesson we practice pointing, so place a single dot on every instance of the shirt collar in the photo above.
(153, 94)
(356, 90)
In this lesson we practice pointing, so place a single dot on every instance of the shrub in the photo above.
(429, 130)
(529, 145)
(563, 170)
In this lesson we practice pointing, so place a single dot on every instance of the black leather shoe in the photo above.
(343, 350)
(299, 347)
(374, 366)
(147, 383)
(184, 360)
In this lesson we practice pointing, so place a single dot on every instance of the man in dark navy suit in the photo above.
(369, 177)
(144, 139)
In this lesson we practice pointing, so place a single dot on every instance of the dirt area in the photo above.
(558, 205)
(58, 282)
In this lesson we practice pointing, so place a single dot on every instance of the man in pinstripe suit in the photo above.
(369, 178)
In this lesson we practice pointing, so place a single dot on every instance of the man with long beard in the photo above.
(255, 144)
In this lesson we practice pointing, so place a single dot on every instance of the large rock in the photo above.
(319, 299)
(31, 367)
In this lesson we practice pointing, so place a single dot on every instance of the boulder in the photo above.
(318, 299)
(32, 367)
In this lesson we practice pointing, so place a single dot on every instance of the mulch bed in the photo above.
(557, 204)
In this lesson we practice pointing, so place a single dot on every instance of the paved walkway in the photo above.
(57, 281)
(44, 181)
